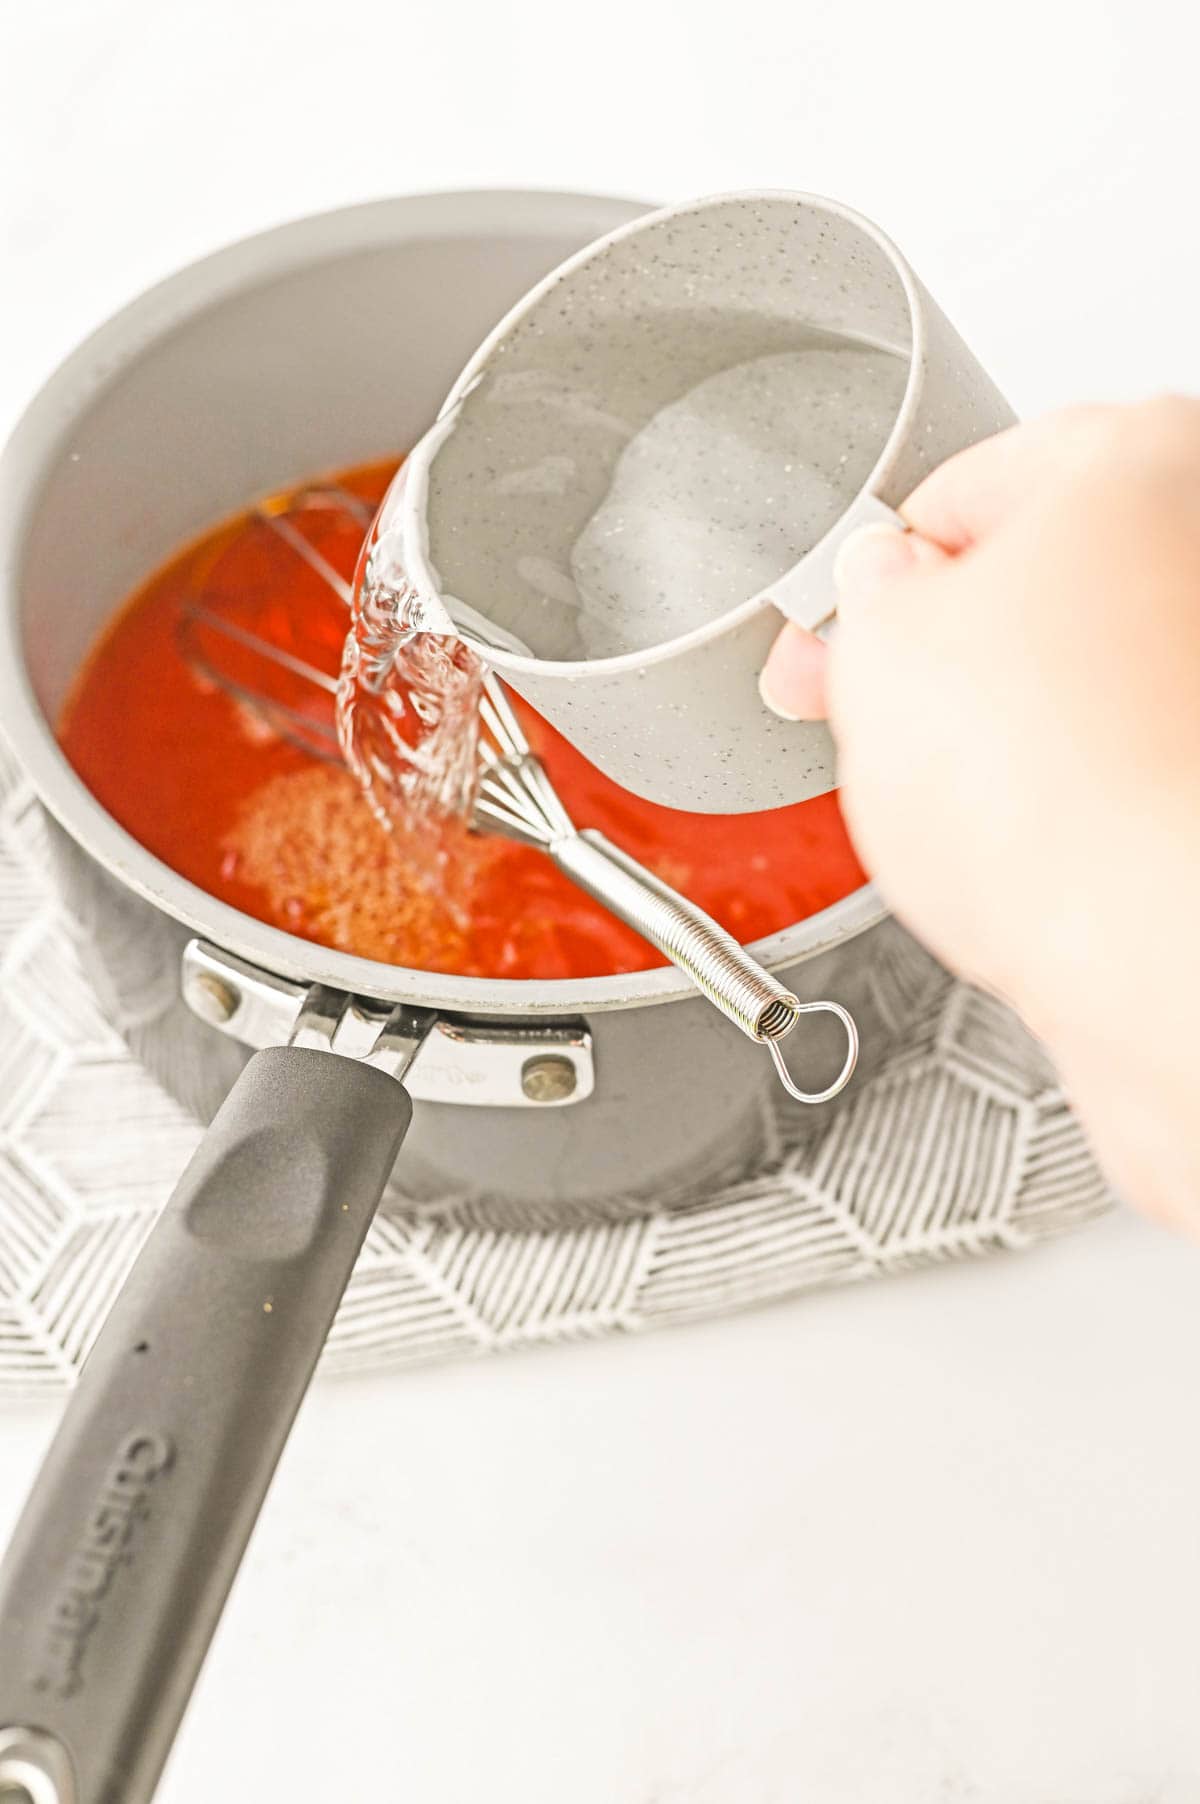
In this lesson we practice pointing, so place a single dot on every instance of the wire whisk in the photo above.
(514, 798)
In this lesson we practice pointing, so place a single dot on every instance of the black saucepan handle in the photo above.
(126, 1550)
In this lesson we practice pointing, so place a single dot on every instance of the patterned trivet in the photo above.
(961, 1143)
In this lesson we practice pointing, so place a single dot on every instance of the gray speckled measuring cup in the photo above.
(656, 455)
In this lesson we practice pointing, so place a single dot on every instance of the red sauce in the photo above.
(254, 820)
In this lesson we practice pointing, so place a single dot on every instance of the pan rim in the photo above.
(33, 451)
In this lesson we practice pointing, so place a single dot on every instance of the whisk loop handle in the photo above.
(718, 965)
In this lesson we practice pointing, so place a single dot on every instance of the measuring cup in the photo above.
(654, 458)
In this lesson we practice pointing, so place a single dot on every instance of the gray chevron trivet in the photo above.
(962, 1143)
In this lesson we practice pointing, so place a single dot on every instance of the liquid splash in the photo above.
(407, 702)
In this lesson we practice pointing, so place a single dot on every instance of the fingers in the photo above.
(792, 683)
(968, 496)
(793, 680)
(959, 504)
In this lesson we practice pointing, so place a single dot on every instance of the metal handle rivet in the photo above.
(548, 1077)
(211, 997)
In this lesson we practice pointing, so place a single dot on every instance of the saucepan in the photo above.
(323, 344)
(309, 348)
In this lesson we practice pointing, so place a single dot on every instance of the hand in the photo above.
(1014, 686)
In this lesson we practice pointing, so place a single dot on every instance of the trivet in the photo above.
(961, 1143)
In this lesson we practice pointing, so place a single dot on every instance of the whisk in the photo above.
(513, 797)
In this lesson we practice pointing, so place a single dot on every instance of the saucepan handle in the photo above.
(122, 1560)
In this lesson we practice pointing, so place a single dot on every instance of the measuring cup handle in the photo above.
(128, 1545)
(806, 593)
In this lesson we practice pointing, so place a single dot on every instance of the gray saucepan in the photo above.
(321, 344)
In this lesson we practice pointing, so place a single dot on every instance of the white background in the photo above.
(927, 1542)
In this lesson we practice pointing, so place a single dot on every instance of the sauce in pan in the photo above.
(204, 784)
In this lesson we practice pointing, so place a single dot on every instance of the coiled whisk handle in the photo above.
(718, 965)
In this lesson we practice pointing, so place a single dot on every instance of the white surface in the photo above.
(928, 1540)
